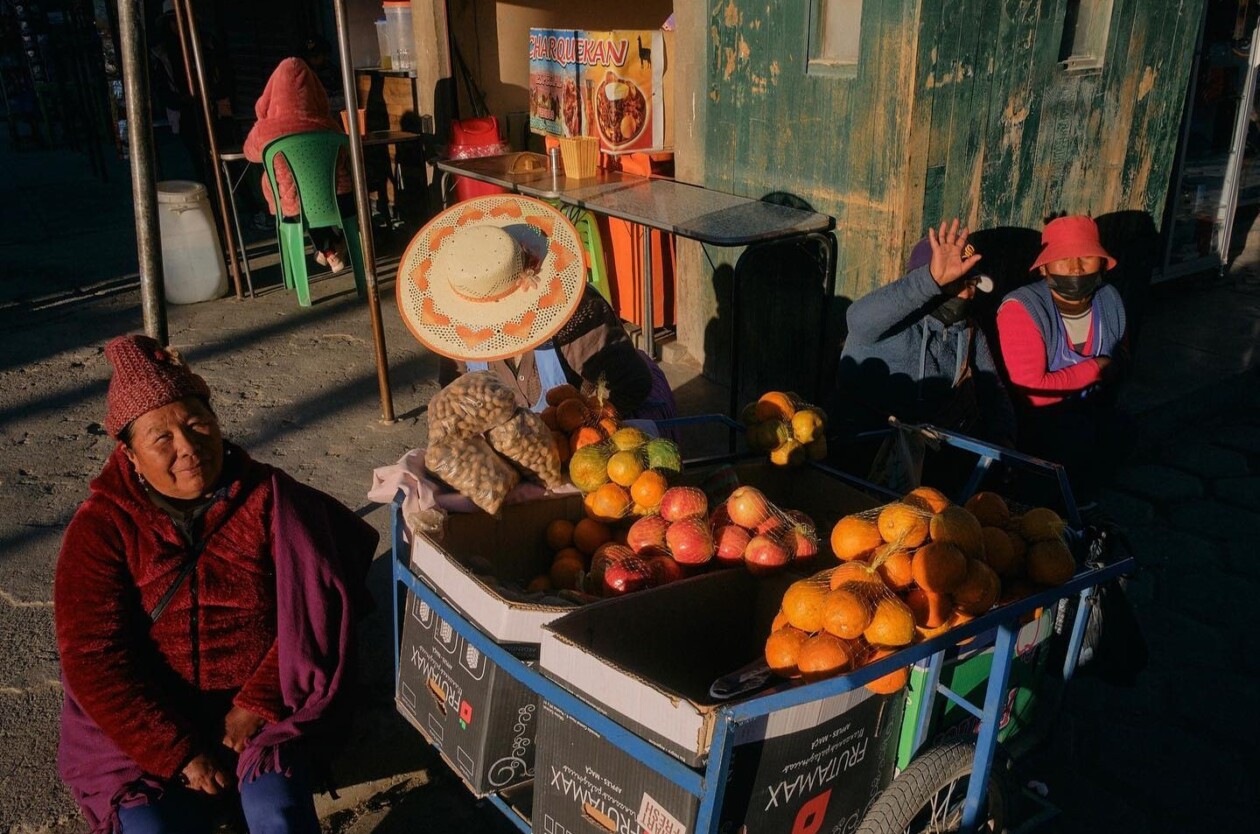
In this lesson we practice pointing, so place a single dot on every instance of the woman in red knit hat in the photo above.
(1063, 341)
(205, 610)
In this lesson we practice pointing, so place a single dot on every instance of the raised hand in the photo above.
(948, 264)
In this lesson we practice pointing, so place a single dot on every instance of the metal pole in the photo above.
(133, 53)
(365, 214)
(194, 41)
(181, 31)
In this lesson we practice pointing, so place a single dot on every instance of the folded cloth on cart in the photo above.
(426, 501)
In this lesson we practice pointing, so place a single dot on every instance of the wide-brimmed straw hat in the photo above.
(491, 277)
(1074, 236)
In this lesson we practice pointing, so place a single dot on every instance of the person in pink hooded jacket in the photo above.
(294, 101)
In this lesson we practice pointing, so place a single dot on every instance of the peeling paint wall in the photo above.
(957, 107)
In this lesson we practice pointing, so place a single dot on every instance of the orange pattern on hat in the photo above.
(544, 224)
(471, 337)
(469, 216)
(506, 209)
(562, 255)
(421, 276)
(430, 315)
(520, 329)
(554, 296)
(439, 235)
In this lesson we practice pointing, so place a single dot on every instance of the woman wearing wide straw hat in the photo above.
(205, 612)
(1063, 342)
(498, 283)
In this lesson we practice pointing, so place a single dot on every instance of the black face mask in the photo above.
(951, 310)
(1074, 287)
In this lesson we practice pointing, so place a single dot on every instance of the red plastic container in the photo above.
(472, 138)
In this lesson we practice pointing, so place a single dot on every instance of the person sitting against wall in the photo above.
(914, 352)
(1063, 342)
(294, 101)
(205, 607)
(499, 284)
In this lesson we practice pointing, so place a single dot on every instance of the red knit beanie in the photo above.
(146, 376)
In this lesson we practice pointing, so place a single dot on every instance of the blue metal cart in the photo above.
(708, 785)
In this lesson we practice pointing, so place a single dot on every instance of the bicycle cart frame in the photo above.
(708, 785)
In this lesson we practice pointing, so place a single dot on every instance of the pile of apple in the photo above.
(746, 530)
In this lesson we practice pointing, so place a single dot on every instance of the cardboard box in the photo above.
(481, 719)
(616, 85)
(647, 661)
(512, 549)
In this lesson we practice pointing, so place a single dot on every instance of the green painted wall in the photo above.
(957, 107)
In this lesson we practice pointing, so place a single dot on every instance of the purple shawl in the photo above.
(322, 552)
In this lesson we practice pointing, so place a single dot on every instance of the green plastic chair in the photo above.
(588, 232)
(312, 158)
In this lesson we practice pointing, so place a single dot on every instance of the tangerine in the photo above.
(774, 405)
(589, 535)
(1040, 525)
(569, 553)
(846, 611)
(853, 536)
(930, 499)
(903, 525)
(560, 393)
(648, 489)
(895, 567)
(855, 571)
(624, 468)
(957, 526)
(572, 414)
(893, 681)
(1050, 563)
(567, 573)
(783, 648)
(999, 551)
(978, 590)
(990, 508)
(892, 623)
(931, 611)
(609, 503)
(588, 468)
(559, 534)
(627, 438)
(823, 656)
(779, 621)
(803, 604)
(541, 582)
(939, 567)
(587, 436)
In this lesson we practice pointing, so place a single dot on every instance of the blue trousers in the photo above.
(273, 804)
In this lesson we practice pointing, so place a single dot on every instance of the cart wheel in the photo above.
(927, 797)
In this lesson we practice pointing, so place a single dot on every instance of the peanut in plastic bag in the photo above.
(526, 441)
(470, 406)
(472, 467)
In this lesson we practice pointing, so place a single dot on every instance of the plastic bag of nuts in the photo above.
(472, 467)
(526, 441)
(469, 406)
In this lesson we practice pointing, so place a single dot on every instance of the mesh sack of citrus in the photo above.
(582, 418)
(470, 406)
(473, 469)
(749, 530)
(791, 430)
(640, 467)
(838, 621)
(526, 441)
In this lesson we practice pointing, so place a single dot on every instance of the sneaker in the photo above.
(335, 262)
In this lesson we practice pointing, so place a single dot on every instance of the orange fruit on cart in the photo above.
(892, 623)
(774, 405)
(978, 590)
(648, 489)
(894, 566)
(542, 582)
(957, 526)
(853, 536)
(569, 553)
(855, 571)
(803, 604)
(779, 621)
(566, 573)
(572, 414)
(931, 611)
(609, 503)
(929, 498)
(560, 393)
(824, 655)
(1040, 525)
(608, 425)
(624, 468)
(939, 567)
(999, 551)
(590, 535)
(847, 611)
(783, 648)
(893, 681)
(990, 508)
(1050, 563)
(559, 534)
(903, 525)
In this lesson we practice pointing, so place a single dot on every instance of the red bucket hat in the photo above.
(1075, 236)
(146, 376)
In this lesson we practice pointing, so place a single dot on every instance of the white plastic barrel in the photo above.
(192, 260)
(401, 39)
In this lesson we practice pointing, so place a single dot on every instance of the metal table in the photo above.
(666, 205)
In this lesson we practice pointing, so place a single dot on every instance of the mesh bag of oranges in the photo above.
(783, 424)
(939, 563)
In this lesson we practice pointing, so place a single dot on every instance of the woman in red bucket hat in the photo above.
(1063, 341)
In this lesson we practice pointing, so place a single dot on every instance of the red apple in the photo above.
(804, 545)
(774, 525)
(689, 541)
(747, 507)
(683, 502)
(648, 531)
(607, 554)
(765, 555)
(800, 520)
(625, 576)
(664, 570)
(719, 518)
(731, 540)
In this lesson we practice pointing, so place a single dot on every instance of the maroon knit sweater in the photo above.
(156, 692)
